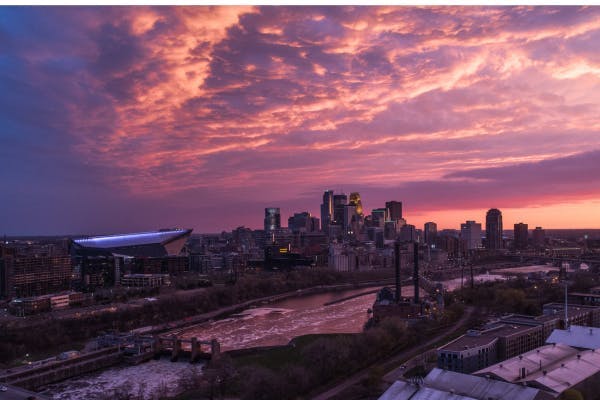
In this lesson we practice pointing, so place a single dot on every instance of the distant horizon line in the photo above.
(219, 232)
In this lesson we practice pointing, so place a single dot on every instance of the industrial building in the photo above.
(511, 335)
(390, 304)
(553, 368)
(581, 337)
(447, 385)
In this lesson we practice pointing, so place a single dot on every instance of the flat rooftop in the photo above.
(583, 337)
(543, 357)
(475, 339)
(477, 387)
(554, 368)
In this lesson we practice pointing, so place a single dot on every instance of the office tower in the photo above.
(355, 201)
(378, 217)
(539, 237)
(394, 210)
(390, 231)
(493, 229)
(408, 233)
(339, 202)
(272, 219)
(349, 218)
(25, 276)
(430, 232)
(470, 234)
(303, 222)
(521, 235)
(326, 210)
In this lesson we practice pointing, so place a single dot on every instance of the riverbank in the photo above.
(19, 337)
(175, 326)
(310, 361)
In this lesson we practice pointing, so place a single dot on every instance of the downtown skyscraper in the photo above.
(326, 210)
(493, 229)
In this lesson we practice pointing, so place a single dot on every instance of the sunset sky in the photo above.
(118, 119)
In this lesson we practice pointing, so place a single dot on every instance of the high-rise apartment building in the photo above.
(470, 234)
(430, 233)
(394, 210)
(539, 236)
(272, 219)
(326, 210)
(493, 229)
(521, 235)
(26, 276)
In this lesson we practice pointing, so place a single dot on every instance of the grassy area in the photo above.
(278, 358)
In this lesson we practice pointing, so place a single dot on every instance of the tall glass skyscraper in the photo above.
(272, 219)
(326, 210)
(493, 229)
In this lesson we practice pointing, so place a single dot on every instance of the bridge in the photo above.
(556, 260)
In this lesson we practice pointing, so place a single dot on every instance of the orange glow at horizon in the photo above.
(575, 215)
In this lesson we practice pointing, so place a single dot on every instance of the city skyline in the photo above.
(120, 119)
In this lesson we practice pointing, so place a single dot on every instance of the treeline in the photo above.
(520, 295)
(45, 332)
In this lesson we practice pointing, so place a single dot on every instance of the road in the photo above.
(396, 359)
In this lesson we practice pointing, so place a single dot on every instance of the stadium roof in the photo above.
(582, 337)
(149, 244)
(132, 239)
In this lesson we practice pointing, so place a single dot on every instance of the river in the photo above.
(273, 324)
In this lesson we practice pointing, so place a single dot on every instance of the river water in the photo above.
(273, 324)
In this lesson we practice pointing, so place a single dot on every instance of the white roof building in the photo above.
(553, 368)
(582, 337)
(440, 384)
(523, 366)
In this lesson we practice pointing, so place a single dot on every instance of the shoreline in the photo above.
(175, 327)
